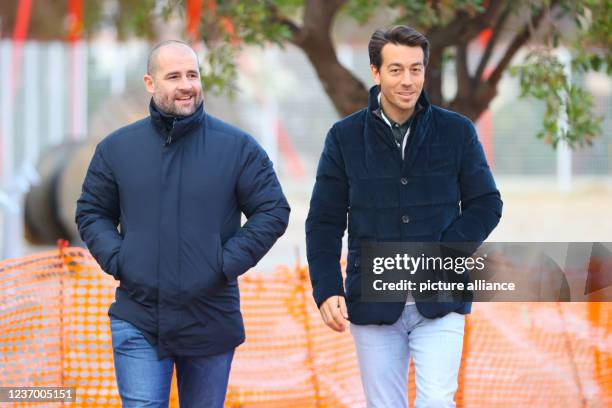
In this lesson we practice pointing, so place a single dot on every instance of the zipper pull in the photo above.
(169, 138)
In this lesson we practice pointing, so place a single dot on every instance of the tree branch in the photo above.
(460, 30)
(519, 40)
(482, 95)
(497, 28)
(347, 92)
(464, 82)
(433, 82)
(464, 27)
(318, 18)
(320, 13)
(275, 16)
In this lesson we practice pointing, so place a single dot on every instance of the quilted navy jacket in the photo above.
(177, 193)
(442, 190)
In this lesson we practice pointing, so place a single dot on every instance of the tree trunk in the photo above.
(347, 93)
(433, 77)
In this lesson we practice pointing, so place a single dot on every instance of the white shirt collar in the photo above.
(382, 113)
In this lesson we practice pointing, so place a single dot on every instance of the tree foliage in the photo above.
(500, 28)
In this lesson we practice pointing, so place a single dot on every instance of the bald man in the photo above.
(176, 184)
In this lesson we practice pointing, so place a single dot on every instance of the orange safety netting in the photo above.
(54, 331)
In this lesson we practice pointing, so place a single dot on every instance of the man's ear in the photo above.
(375, 74)
(148, 82)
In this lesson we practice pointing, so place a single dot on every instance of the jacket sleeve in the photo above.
(481, 204)
(262, 201)
(98, 212)
(326, 222)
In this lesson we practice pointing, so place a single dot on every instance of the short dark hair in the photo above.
(399, 35)
(151, 59)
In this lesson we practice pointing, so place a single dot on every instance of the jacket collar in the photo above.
(419, 127)
(173, 127)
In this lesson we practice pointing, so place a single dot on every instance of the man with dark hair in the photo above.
(176, 183)
(400, 170)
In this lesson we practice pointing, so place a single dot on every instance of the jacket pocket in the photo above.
(202, 265)
(137, 268)
(123, 249)
(353, 262)
(119, 260)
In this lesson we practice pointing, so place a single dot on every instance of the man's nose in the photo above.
(185, 83)
(407, 78)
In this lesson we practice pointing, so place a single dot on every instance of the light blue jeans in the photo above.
(144, 380)
(384, 352)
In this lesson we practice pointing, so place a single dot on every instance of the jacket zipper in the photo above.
(169, 137)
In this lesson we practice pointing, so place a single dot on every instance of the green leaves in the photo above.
(585, 61)
(135, 18)
(584, 27)
(568, 115)
(253, 21)
(418, 13)
(218, 70)
(362, 10)
(426, 14)
(544, 77)
(233, 24)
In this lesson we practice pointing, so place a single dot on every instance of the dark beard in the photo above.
(172, 111)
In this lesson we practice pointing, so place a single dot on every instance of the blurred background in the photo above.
(535, 76)
(71, 72)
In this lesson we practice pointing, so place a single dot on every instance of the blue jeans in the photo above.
(144, 381)
(384, 352)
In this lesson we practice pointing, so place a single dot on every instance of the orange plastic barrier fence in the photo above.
(54, 331)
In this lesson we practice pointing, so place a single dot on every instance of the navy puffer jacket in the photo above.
(177, 188)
